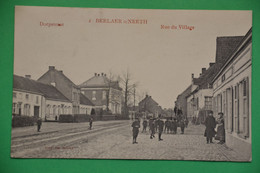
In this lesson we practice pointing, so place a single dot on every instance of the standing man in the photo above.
(39, 124)
(152, 128)
(90, 122)
(182, 125)
(174, 125)
(160, 127)
(136, 126)
(167, 126)
(210, 124)
(144, 125)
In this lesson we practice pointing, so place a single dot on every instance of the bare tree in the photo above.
(110, 80)
(128, 88)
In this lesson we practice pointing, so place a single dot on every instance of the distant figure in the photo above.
(210, 124)
(39, 124)
(174, 126)
(182, 125)
(186, 122)
(152, 129)
(136, 126)
(160, 128)
(167, 126)
(171, 125)
(150, 123)
(144, 125)
(156, 124)
(90, 122)
(220, 129)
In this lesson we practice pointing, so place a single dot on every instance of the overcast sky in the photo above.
(160, 60)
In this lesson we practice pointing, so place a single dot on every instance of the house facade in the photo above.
(103, 93)
(149, 107)
(200, 100)
(64, 85)
(232, 96)
(32, 98)
(181, 101)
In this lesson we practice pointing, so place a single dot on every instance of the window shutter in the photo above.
(247, 127)
(237, 108)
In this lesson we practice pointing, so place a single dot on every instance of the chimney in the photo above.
(51, 67)
(61, 71)
(95, 74)
(203, 70)
(211, 64)
(28, 76)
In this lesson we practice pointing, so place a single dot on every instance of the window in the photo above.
(223, 78)
(208, 103)
(48, 110)
(93, 95)
(14, 94)
(27, 96)
(236, 108)
(26, 110)
(219, 102)
(229, 112)
(244, 108)
(54, 110)
(15, 106)
(37, 99)
(104, 95)
(241, 108)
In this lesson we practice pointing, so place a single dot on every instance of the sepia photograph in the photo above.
(146, 84)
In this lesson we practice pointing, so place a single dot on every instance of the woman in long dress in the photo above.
(220, 129)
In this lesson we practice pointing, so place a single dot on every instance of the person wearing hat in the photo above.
(39, 124)
(144, 125)
(136, 126)
(152, 128)
(210, 124)
(220, 129)
(160, 127)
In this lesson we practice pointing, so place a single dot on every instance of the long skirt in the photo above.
(220, 133)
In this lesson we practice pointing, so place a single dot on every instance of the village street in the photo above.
(113, 139)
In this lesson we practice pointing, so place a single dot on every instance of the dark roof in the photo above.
(100, 81)
(225, 46)
(148, 99)
(85, 101)
(56, 72)
(48, 91)
(242, 44)
(186, 92)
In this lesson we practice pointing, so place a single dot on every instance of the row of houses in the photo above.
(54, 94)
(225, 86)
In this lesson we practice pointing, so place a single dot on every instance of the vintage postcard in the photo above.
(132, 84)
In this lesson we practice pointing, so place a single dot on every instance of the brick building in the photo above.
(148, 106)
(103, 93)
(64, 85)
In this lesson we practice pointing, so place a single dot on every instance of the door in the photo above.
(36, 111)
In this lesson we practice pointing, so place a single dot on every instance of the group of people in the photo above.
(158, 125)
(210, 124)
